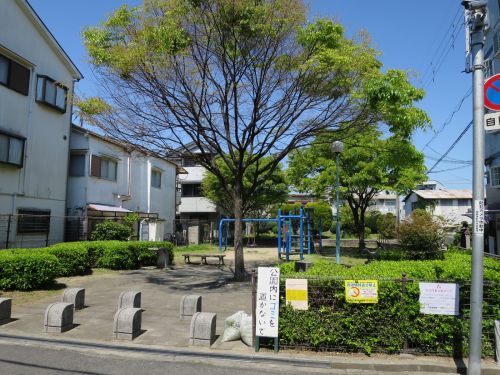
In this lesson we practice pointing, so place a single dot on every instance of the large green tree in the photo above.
(247, 79)
(371, 162)
(273, 190)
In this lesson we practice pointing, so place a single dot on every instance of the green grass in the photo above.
(348, 257)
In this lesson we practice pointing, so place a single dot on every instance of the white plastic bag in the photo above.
(246, 329)
(232, 327)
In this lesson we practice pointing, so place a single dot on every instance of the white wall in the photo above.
(41, 182)
(453, 214)
(196, 204)
(144, 197)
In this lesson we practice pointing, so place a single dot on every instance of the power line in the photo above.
(440, 53)
(450, 117)
(451, 147)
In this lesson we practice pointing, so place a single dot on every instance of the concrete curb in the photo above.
(366, 364)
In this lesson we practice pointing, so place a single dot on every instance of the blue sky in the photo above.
(417, 36)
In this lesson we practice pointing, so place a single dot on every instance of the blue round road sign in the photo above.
(492, 93)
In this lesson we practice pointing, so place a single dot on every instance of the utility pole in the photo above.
(476, 21)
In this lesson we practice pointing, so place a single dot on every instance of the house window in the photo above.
(156, 178)
(77, 165)
(14, 76)
(495, 176)
(11, 149)
(189, 162)
(488, 68)
(191, 190)
(464, 203)
(446, 202)
(103, 168)
(33, 221)
(51, 93)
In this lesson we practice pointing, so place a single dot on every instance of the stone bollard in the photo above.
(5, 310)
(59, 317)
(129, 299)
(127, 323)
(76, 296)
(163, 259)
(190, 305)
(202, 329)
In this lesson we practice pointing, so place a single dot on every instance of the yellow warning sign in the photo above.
(361, 291)
(296, 293)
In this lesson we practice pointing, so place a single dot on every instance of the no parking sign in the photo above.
(492, 93)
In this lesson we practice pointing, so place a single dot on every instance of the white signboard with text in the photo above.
(268, 297)
(439, 298)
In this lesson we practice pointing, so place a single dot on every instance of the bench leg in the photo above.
(186, 259)
(203, 260)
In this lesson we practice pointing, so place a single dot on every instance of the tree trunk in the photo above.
(239, 263)
(361, 230)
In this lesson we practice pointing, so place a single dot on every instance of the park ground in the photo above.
(162, 291)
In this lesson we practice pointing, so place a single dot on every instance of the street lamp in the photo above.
(337, 148)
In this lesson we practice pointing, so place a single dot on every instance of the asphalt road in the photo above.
(26, 359)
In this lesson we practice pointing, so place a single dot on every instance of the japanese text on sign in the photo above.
(439, 298)
(478, 216)
(267, 309)
(362, 291)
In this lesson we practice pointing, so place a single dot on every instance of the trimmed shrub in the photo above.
(387, 225)
(422, 237)
(26, 270)
(332, 323)
(111, 230)
(73, 256)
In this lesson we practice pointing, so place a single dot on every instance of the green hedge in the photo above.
(28, 269)
(331, 323)
(25, 269)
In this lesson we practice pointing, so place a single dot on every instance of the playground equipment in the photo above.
(288, 242)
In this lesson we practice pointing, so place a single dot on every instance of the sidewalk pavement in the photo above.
(165, 334)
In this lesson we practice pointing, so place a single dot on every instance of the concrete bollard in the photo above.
(5, 310)
(127, 323)
(190, 304)
(163, 260)
(76, 296)
(129, 299)
(202, 329)
(59, 317)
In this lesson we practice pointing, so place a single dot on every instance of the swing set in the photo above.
(289, 243)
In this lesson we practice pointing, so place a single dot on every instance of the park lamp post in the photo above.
(337, 148)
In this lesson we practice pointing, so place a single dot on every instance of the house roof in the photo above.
(127, 147)
(49, 37)
(443, 194)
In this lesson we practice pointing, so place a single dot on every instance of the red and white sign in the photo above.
(492, 93)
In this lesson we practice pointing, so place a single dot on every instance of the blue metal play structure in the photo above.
(288, 242)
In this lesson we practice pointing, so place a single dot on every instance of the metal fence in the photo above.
(39, 230)
(380, 327)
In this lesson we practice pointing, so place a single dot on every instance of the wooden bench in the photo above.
(203, 257)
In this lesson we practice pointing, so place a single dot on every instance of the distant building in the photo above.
(109, 179)
(452, 205)
(197, 216)
(385, 202)
(36, 87)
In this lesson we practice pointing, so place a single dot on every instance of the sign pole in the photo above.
(476, 22)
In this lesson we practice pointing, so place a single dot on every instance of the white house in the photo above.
(452, 205)
(197, 216)
(108, 179)
(385, 202)
(36, 86)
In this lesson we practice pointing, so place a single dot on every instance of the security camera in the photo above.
(474, 4)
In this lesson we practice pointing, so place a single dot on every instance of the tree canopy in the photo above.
(273, 190)
(248, 79)
(370, 163)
